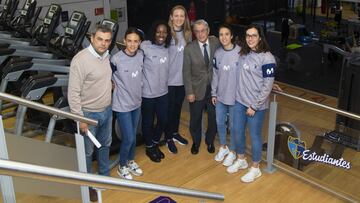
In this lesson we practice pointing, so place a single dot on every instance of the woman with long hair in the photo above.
(256, 72)
(180, 36)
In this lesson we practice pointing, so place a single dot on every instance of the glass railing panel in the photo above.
(31, 147)
(27, 197)
(109, 196)
(309, 139)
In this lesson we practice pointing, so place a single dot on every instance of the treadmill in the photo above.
(41, 35)
(21, 23)
(16, 66)
(8, 12)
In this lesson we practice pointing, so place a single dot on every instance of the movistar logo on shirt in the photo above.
(180, 48)
(268, 70)
(134, 74)
(163, 60)
(246, 66)
(226, 67)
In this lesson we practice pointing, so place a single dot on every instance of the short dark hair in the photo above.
(133, 30)
(262, 47)
(227, 26)
(152, 32)
(102, 28)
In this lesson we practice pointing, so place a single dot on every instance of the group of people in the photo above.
(152, 77)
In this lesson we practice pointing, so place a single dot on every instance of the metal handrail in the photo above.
(19, 169)
(47, 109)
(341, 112)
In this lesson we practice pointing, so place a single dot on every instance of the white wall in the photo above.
(122, 21)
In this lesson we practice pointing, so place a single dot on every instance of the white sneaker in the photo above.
(123, 172)
(229, 159)
(134, 168)
(238, 164)
(223, 151)
(251, 175)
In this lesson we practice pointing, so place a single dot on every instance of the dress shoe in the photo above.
(93, 195)
(194, 149)
(211, 148)
(152, 154)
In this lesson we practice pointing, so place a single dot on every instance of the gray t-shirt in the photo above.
(223, 85)
(255, 79)
(156, 70)
(127, 77)
(176, 57)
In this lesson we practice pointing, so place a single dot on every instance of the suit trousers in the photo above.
(196, 111)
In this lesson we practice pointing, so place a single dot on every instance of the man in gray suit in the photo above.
(197, 75)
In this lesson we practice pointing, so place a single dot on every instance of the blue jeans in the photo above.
(255, 124)
(151, 107)
(102, 132)
(221, 112)
(128, 122)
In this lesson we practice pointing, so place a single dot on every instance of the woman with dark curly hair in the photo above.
(155, 87)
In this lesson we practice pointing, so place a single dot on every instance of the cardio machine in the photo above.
(35, 87)
(8, 12)
(22, 47)
(21, 25)
(13, 67)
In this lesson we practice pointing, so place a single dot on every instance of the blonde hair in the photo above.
(186, 27)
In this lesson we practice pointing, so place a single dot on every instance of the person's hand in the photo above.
(213, 100)
(276, 87)
(250, 112)
(191, 98)
(83, 128)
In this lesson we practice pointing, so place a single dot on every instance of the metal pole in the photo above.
(20, 118)
(314, 14)
(50, 130)
(304, 12)
(271, 138)
(44, 108)
(3, 85)
(344, 113)
(6, 183)
(107, 9)
(81, 160)
(78, 178)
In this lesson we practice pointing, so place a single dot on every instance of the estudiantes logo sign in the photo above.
(298, 150)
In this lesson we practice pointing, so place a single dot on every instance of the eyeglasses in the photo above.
(200, 31)
(252, 36)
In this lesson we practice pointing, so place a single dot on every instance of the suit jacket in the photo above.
(196, 74)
